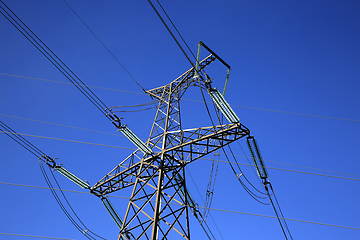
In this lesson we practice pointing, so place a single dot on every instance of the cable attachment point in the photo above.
(197, 214)
(114, 119)
(208, 82)
(239, 175)
(48, 160)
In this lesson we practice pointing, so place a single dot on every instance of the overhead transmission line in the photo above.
(244, 164)
(137, 107)
(114, 119)
(61, 125)
(237, 106)
(54, 81)
(206, 208)
(211, 183)
(60, 139)
(240, 175)
(262, 175)
(117, 60)
(169, 30)
(293, 165)
(212, 209)
(55, 60)
(94, 100)
(43, 158)
(33, 236)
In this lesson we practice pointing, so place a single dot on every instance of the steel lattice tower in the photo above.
(159, 203)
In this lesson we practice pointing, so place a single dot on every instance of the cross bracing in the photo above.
(159, 203)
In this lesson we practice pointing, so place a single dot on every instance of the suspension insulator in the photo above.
(256, 156)
(224, 106)
(135, 140)
(112, 211)
(72, 177)
(186, 194)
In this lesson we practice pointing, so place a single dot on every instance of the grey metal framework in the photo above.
(159, 204)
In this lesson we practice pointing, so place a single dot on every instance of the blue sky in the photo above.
(288, 57)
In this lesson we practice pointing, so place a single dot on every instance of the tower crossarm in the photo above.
(120, 177)
(192, 144)
(198, 142)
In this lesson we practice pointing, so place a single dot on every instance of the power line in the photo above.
(318, 174)
(93, 144)
(253, 108)
(205, 205)
(67, 208)
(22, 141)
(54, 81)
(61, 125)
(41, 155)
(47, 188)
(11, 132)
(172, 35)
(60, 65)
(66, 140)
(287, 219)
(51, 56)
(280, 169)
(172, 23)
(288, 170)
(301, 114)
(212, 209)
(24, 235)
(104, 45)
(317, 169)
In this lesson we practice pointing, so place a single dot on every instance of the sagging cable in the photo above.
(260, 168)
(194, 207)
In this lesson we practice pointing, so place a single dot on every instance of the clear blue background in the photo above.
(298, 57)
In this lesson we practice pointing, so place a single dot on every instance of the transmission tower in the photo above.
(159, 202)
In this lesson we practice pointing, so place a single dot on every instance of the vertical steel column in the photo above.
(161, 172)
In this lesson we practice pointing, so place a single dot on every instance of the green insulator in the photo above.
(112, 212)
(256, 156)
(72, 177)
